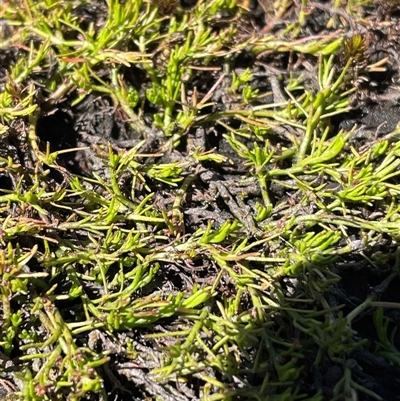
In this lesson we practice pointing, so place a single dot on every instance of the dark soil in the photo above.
(96, 122)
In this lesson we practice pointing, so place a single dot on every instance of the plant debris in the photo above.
(199, 200)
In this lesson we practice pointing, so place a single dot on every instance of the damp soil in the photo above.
(95, 123)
